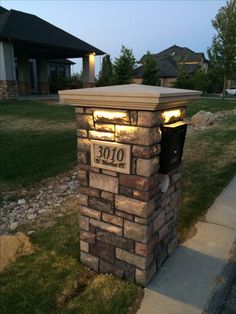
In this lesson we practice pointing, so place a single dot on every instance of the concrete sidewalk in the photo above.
(187, 280)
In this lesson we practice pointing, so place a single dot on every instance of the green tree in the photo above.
(76, 81)
(201, 81)
(150, 71)
(184, 80)
(216, 80)
(105, 75)
(123, 68)
(222, 53)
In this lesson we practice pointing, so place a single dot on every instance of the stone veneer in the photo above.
(43, 88)
(127, 225)
(24, 88)
(8, 89)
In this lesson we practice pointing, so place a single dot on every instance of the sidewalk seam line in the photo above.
(217, 224)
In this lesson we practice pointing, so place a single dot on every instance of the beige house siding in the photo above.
(165, 82)
(230, 83)
(136, 80)
(168, 81)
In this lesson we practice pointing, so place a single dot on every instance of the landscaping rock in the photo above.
(31, 210)
(21, 201)
(6, 197)
(12, 205)
(30, 232)
(38, 202)
(13, 226)
(202, 119)
(32, 216)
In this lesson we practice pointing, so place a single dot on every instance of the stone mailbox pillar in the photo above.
(128, 209)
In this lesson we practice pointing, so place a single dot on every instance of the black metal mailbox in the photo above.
(172, 144)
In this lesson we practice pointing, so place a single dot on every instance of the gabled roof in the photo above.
(166, 68)
(171, 59)
(18, 26)
(3, 10)
(179, 54)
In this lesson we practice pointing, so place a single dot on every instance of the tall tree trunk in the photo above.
(225, 85)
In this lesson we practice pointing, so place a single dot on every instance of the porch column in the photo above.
(43, 84)
(89, 70)
(8, 84)
(24, 81)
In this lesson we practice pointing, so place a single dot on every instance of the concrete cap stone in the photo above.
(131, 96)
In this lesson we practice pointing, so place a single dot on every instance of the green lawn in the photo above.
(52, 280)
(212, 105)
(41, 142)
(209, 162)
(37, 141)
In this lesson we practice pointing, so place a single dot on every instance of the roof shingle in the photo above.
(28, 28)
(169, 61)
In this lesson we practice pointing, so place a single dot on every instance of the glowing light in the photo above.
(92, 58)
(94, 54)
(169, 115)
(109, 115)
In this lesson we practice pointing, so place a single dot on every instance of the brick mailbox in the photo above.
(129, 188)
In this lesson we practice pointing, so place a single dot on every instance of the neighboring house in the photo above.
(34, 53)
(171, 61)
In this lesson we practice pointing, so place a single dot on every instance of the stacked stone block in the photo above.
(24, 88)
(43, 88)
(127, 225)
(8, 89)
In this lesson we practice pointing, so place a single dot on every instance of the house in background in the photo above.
(170, 61)
(34, 52)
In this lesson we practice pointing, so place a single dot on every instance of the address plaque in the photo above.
(110, 156)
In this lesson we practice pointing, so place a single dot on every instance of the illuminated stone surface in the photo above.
(82, 133)
(84, 121)
(137, 135)
(111, 116)
(150, 118)
(105, 127)
(106, 136)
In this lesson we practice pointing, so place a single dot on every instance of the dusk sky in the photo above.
(139, 25)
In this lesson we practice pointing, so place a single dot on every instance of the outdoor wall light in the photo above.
(92, 58)
(170, 114)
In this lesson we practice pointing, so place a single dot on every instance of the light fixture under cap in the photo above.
(170, 114)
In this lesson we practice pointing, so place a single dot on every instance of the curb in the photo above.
(220, 292)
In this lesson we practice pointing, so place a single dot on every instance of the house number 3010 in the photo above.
(111, 156)
(110, 153)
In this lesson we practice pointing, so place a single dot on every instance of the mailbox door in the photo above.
(172, 144)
